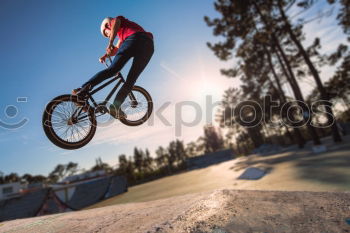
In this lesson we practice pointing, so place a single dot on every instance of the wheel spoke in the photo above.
(64, 133)
(66, 124)
(59, 114)
(70, 133)
(64, 110)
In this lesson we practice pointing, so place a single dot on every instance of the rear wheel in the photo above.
(137, 106)
(67, 123)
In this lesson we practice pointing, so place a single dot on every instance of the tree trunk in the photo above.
(347, 106)
(297, 92)
(293, 82)
(267, 135)
(301, 145)
(324, 94)
(255, 136)
(300, 139)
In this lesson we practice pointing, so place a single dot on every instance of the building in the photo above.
(10, 190)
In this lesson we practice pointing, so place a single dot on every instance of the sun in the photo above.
(206, 87)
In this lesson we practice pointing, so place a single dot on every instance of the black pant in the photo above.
(140, 47)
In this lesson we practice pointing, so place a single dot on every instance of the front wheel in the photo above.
(67, 123)
(138, 107)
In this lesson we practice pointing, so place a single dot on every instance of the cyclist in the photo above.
(134, 42)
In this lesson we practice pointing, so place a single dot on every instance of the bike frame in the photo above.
(120, 79)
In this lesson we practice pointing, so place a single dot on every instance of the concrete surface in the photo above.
(290, 170)
(218, 211)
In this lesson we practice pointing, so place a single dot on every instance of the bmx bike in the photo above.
(70, 123)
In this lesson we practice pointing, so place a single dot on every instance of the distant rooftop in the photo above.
(83, 176)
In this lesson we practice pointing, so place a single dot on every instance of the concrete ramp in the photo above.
(89, 193)
(218, 211)
(117, 185)
(23, 206)
(252, 173)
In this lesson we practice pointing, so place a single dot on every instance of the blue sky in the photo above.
(50, 47)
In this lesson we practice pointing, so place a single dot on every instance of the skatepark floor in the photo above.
(300, 192)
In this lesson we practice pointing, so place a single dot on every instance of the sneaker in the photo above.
(116, 113)
(76, 91)
(81, 93)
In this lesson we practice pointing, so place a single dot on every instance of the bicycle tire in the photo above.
(144, 118)
(51, 134)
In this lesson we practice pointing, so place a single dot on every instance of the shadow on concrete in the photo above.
(335, 169)
(255, 161)
(330, 167)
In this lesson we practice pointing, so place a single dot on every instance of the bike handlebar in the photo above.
(110, 59)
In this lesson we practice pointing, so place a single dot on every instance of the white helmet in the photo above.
(104, 25)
